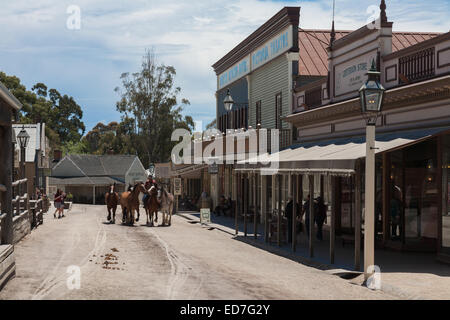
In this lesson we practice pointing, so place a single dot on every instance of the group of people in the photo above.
(320, 216)
(59, 203)
(224, 208)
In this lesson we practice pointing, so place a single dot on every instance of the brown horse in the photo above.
(129, 201)
(112, 200)
(152, 205)
(167, 201)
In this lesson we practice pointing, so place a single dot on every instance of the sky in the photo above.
(41, 41)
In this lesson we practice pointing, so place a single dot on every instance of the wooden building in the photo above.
(327, 154)
(87, 177)
(9, 106)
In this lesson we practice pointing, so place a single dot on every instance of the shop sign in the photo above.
(213, 168)
(177, 186)
(234, 73)
(351, 75)
(205, 215)
(272, 48)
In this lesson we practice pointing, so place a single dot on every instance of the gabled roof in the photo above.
(6, 95)
(313, 46)
(94, 165)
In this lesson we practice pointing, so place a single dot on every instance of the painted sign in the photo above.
(239, 70)
(205, 215)
(277, 45)
(351, 75)
(177, 186)
(273, 48)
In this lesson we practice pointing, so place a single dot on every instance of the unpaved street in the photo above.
(184, 261)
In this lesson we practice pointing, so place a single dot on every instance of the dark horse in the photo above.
(151, 206)
(129, 201)
(112, 200)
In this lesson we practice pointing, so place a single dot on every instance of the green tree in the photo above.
(61, 113)
(150, 99)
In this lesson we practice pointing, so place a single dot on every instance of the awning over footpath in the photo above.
(84, 181)
(334, 157)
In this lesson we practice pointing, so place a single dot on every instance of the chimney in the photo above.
(57, 155)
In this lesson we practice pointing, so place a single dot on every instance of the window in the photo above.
(278, 111)
(258, 112)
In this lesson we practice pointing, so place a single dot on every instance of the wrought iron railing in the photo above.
(417, 66)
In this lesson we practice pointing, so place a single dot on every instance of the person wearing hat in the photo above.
(320, 216)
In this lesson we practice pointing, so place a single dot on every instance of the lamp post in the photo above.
(371, 99)
(23, 138)
(228, 103)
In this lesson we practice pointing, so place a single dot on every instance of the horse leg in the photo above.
(114, 214)
(137, 219)
(124, 214)
(109, 213)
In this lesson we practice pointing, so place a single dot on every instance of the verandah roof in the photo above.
(334, 157)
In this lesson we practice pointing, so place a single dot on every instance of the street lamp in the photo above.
(228, 103)
(371, 99)
(23, 138)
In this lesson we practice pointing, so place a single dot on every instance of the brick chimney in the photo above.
(57, 155)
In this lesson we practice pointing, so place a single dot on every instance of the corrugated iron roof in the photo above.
(313, 47)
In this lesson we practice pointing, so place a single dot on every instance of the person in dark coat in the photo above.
(320, 216)
(289, 212)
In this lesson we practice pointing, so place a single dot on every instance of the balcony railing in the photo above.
(417, 66)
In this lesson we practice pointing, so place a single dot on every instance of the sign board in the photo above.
(351, 75)
(213, 168)
(177, 186)
(277, 45)
(205, 215)
(270, 50)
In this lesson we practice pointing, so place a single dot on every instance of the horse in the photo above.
(151, 206)
(167, 201)
(129, 201)
(112, 200)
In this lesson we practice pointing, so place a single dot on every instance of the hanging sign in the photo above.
(177, 186)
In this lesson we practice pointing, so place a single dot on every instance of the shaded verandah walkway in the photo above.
(407, 274)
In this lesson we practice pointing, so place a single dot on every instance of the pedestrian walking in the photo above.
(57, 203)
(320, 216)
(289, 208)
(63, 196)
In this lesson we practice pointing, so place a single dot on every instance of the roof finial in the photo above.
(333, 32)
(383, 16)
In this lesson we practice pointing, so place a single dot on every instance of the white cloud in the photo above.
(189, 35)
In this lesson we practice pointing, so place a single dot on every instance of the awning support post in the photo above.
(294, 212)
(263, 205)
(333, 219)
(358, 216)
(279, 211)
(255, 207)
(311, 215)
(238, 203)
(245, 203)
